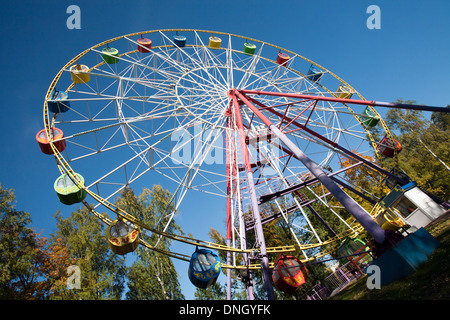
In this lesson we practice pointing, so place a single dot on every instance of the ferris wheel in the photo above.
(217, 114)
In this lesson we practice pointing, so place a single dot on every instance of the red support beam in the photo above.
(267, 279)
(228, 153)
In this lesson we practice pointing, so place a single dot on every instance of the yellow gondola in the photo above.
(123, 236)
(214, 42)
(344, 92)
(79, 73)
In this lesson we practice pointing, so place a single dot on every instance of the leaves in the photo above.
(102, 272)
(33, 267)
(152, 275)
(425, 156)
(19, 252)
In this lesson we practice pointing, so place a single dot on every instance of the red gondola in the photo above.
(282, 58)
(144, 45)
(288, 274)
(44, 144)
(386, 148)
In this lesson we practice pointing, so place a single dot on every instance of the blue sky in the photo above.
(407, 58)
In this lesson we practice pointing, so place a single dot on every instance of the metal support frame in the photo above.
(267, 279)
(228, 211)
(350, 101)
(330, 142)
(233, 190)
(351, 205)
(238, 98)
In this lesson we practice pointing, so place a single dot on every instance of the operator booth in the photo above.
(408, 204)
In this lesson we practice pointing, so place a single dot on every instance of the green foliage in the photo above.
(19, 270)
(425, 153)
(102, 272)
(214, 292)
(36, 268)
(152, 275)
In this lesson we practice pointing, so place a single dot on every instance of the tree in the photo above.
(364, 180)
(55, 261)
(152, 275)
(20, 252)
(102, 272)
(214, 292)
(425, 156)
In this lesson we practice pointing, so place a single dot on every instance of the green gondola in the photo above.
(68, 191)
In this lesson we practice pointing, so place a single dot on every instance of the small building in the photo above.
(412, 205)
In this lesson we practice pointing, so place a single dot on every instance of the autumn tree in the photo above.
(365, 180)
(55, 263)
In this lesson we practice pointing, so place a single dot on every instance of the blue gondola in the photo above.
(314, 74)
(180, 41)
(58, 102)
(204, 268)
